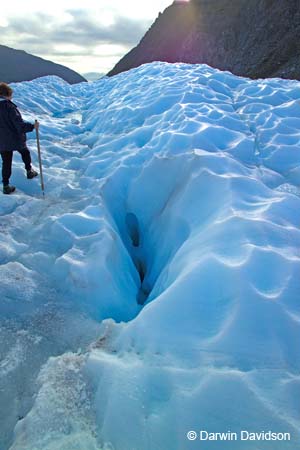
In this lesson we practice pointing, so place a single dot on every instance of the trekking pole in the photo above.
(40, 158)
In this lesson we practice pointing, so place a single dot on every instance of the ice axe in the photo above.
(40, 157)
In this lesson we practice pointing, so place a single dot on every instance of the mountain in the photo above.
(155, 288)
(258, 39)
(17, 65)
(93, 76)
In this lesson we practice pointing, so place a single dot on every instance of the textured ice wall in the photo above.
(172, 207)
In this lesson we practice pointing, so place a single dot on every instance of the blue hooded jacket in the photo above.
(13, 129)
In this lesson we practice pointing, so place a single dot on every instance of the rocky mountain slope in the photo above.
(258, 39)
(17, 65)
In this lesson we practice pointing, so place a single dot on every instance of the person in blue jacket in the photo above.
(13, 131)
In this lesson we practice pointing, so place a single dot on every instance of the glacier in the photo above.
(155, 290)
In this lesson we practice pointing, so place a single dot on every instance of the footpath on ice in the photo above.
(155, 290)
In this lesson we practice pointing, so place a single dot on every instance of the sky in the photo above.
(85, 35)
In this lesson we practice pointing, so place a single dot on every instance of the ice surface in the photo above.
(155, 290)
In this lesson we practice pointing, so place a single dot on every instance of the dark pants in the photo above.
(7, 162)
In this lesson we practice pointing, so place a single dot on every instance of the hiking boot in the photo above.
(31, 174)
(8, 189)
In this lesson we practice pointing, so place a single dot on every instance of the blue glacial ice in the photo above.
(156, 288)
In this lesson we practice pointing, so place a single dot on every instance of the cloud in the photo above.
(78, 34)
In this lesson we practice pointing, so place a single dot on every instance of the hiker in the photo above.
(13, 131)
